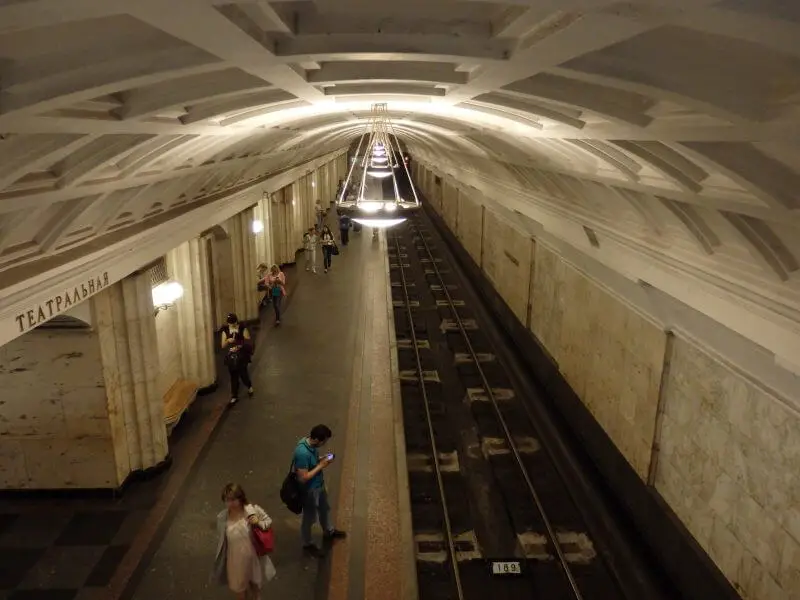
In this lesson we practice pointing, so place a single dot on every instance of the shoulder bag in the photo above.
(292, 492)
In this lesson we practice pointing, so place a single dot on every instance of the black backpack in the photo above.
(292, 492)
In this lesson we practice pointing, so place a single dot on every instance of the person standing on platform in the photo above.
(238, 350)
(344, 229)
(320, 212)
(310, 241)
(309, 467)
(237, 565)
(276, 284)
(328, 244)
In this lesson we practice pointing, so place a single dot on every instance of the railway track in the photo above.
(491, 517)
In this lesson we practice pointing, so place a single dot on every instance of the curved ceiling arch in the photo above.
(676, 121)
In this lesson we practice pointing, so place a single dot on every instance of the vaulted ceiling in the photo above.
(671, 124)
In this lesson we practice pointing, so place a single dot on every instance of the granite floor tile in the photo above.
(15, 564)
(43, 595)
(92, 528)
(34, 530)
(106, 566)
(62, 567)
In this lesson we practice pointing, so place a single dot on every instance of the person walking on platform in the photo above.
(328, 244)
(238, 350)
(344, 229)
(309, 470)
(310, 241)
(237, 563)
(276, 284)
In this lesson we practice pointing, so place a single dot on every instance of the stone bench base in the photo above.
(177, 401)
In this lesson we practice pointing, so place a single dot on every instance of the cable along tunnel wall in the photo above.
(724, 455)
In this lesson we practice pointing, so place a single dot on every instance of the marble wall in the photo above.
(54, 429)
(610, 354)
(470, 226)
(727, 452)
(507, 255)
(449, 206)
(729, 466)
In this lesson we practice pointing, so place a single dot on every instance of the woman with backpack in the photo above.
(244, 541)
(238, 349)
(276, 284)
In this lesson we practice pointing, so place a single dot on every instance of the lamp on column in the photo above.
(166, 294)
(258, 226)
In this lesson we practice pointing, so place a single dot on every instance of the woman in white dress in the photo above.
(237, 565)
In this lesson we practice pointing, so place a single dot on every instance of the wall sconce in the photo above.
(258, 226)
(166, 294)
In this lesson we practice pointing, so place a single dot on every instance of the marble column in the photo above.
(125, 323)
(243, 267)
(263, 240)
(188, 265)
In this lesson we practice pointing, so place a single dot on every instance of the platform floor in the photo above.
(329, 362)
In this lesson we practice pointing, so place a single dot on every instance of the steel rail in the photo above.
(515, 451)
(421, 375)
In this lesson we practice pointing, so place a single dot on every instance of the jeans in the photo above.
(238, 373)
(320, 219)
(276, 304)
(316, 503)
(345, 236)
(327, 252)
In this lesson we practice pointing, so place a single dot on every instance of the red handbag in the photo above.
(263, 540)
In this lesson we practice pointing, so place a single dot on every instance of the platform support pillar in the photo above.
(188, 264)
(125, 323)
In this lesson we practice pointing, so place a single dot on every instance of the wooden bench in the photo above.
(177, 401)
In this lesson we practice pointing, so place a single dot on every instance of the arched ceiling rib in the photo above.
(673, 124)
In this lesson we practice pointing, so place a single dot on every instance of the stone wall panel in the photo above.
(729, 467)
(53, 411)
(507, 262)
(611, 355)
(470, 226)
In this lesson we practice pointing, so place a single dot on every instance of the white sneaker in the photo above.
(314, 270)
(306, 268)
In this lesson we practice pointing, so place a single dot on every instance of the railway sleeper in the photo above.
(492, 446)
(437, 288)
(576, 547)
(402, 303)
(448, 462)
(399, 284)
(411, 376)
(478, 394)
(452, 325)
(467, 358)
(433, 547)
(407, 344)
(447, 303)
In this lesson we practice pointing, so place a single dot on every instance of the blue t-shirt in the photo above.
(306, 457)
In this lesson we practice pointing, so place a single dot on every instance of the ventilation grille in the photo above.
(158, 272)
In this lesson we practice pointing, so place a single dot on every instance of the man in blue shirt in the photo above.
(309, 467)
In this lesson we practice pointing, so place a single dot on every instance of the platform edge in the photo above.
(408, 557)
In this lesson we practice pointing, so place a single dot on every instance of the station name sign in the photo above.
(57, 304)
